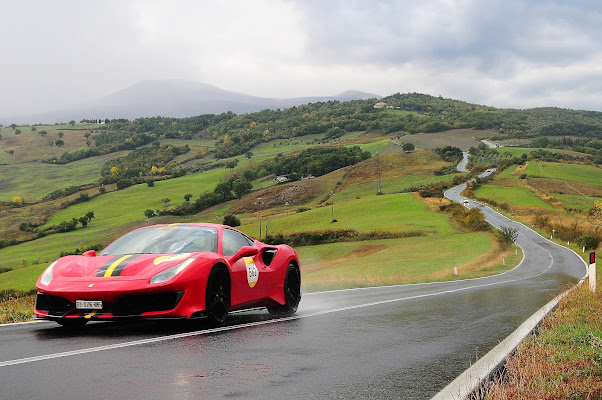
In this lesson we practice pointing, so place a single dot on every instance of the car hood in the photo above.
(126, 265)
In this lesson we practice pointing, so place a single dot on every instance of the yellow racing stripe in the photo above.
(115, 264)
(88, 316)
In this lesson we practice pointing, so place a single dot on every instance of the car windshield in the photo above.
(165, 239)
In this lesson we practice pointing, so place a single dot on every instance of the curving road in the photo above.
(389, 342)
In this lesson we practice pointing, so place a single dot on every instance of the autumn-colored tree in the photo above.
(18, 200)
(114, 171)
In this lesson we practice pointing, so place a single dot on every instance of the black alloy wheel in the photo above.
(292, 293)
(217, 296)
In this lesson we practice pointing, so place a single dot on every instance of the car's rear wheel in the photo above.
(72, 323)
(292, 293)
(217, 296)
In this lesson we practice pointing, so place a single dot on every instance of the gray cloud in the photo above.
(511, 54)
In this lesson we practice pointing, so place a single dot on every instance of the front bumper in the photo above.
(162, 304)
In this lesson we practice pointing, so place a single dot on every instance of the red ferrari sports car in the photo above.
(171, 271)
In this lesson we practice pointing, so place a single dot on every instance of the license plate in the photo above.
(88, 304)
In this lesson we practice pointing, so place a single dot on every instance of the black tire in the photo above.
(217, 296)
(72, 323)
(292, 293)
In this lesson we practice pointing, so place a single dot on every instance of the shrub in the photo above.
(475, 220)
(589, 241)
(124, 183)
(231, 220)
(148, 213)
(507, 235)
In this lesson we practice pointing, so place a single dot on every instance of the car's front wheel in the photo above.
(292, 293)
(217, 296)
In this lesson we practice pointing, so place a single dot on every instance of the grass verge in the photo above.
(563, 360)
(17, 309)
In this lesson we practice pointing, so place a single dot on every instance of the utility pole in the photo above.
(379, 187)
(332, 206)
(259, 203)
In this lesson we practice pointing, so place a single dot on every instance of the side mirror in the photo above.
(245, 251)
(89, 253)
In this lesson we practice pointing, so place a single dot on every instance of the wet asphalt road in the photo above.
(391, 342)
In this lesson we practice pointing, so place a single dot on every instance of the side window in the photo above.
(233, 241)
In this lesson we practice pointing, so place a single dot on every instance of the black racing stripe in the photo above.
(105, 266)
(122, 265)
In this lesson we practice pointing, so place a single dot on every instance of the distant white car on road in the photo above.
(466, 203)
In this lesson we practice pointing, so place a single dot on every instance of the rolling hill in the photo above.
(173, 98)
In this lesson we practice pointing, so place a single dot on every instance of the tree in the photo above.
(0, 137)
(72, 122)
(90, 215)
(13, 126)
(61, 134)
(187, 196)
(11, 152)
(84, 221)
(232, 164)
(87, 135)
(241, 187)
(165, 202)
(59, 143)
(33, 129)
(224, 190)
(507, 235)
(408, 147)
(231, 220)
(249, 154)
(18, 200)
(148, 213)
(17, 132)
(43, 132)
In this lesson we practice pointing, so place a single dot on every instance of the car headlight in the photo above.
(47, 275)
(171, 272)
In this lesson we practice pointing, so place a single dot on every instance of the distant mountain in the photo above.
(174, 98)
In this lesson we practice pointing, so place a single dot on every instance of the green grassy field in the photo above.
(31, 146)
(399, 212)
(32, 181)
(387, 262)
(584, 174)
(575, 202)
(515, 196)
(128, 205)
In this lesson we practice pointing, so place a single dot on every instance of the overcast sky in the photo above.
(502, 53)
